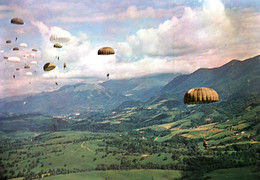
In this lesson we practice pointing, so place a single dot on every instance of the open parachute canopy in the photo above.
(5, 57)
(26, 67)
(15, 49)
(33, 62)
(106, 51)
(49, 66)
(35, 50)
(28, 73)
(60, 37)
(14, 59)
(8, 41)
(17, 69)
(56, 45)
(17, 21)
(23, 45)
(200, 96)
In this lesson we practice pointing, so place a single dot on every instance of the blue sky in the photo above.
(149, 37)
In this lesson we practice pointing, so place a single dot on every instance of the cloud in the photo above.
(210, 30)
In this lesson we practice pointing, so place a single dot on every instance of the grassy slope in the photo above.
(118, 175)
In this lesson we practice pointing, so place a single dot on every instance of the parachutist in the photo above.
(16, 39)
(107, 75)
(64, 65)
(14, 76)
(56, 83)
(205, 144)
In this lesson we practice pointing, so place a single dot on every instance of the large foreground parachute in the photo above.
(17, 21)
(106, 51)
(200, 96)
(49, 66)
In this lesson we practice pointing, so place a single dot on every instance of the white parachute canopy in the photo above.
(23, 45)
(14, 59)
(28, 73)
(2, 51)
(59, 36)
(33, 62)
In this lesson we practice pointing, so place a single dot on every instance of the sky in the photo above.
(148, 36)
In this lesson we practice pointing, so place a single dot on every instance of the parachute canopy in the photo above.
(14, 59)
(49, 66)
(200, 96)
(33, 62)
(26, 67)
(5, 57)
(28, 73)
(17, 21)
(35, 50)
(15, 49)
(106, 51)
(8, 41)
(56, 45)
(24, 45)
(60, 36)
(17, 69)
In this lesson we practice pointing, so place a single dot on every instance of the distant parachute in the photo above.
(56, 45)
(5, 57)
(28, 74)
(23, 45)
(205, 144)
(26, 67)
(200, 96)
(2, 51)
(33, 62)
(106, 51)
(64, 65)
(49, 66)
(8, 41)
(35, 50)
(15, 49)
(17, 21)
(17, 69)
(60, 37)
(14, 59)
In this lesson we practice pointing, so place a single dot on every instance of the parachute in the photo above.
(33, 62)
(205, 144)
(64, 65)
(106, 51)
(56, 45)
(23, 45)
(26, 67)
(60, 37)
(15, 49)
(5, 57)
(35, 50)
(200, 96)
(17, 21)
(8, 41)
(14, 59)
(49, 66)
(17, 69)
(28, 74)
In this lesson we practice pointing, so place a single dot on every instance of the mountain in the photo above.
(232, 79)
(84, 97)
(68, 99)
(139, 89)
